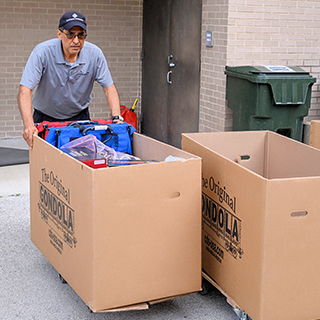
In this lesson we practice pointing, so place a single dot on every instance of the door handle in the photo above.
(168, 77)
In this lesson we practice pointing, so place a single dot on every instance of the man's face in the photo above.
(74, 45)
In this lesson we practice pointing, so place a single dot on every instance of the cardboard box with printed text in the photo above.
(261, 218)
(120, 236)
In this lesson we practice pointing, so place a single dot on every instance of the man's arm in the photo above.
(113, 99)
(25, 105)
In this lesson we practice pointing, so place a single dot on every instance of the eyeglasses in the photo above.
(71, 35)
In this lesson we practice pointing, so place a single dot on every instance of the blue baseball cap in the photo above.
(72, 19)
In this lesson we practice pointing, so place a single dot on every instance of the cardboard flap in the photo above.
(165, 299)
(244, 147)
(315, 134)
(288, 158)
(144, 148)
(268, 154)
(139, 306)
(134, 307)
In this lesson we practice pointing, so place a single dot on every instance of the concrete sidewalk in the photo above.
(14, 179)
(30, 286)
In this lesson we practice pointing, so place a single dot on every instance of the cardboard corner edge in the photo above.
(314, 140)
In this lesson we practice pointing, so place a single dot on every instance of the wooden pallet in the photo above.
(232, 303)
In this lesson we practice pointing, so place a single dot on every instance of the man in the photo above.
(64, 71)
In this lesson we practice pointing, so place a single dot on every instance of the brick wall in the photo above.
(115, 26)
(213, 112)
(249, 32)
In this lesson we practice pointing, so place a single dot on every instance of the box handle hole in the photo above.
(243, 158)
(174, 195)
(299, 214)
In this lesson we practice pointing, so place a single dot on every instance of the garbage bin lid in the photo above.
(267, 69)
(289, 85)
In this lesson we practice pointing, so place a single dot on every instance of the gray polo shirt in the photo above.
(64, 89)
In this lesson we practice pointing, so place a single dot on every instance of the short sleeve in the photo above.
(33, 71)
(103, 75)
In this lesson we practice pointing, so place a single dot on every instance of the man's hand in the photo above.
(28, 135)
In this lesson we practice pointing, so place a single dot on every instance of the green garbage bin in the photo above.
(274, 98)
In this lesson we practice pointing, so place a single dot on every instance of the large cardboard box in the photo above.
(120, 236)
(261, 219)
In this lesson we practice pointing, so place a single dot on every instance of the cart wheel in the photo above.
(241, 315)
(62, 279)
(206, 286)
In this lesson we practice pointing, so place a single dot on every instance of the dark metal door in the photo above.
(171, 68)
